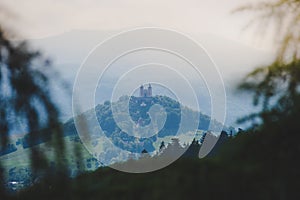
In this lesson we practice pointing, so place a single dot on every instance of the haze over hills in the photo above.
(234, 60)
(154, 120)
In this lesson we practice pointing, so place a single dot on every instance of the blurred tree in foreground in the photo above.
(273, 149)
(25, 97)
(276, 86)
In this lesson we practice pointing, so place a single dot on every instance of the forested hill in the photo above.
(162, 126)
(162, 130)
(139, 111)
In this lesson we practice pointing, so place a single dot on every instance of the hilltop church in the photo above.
(144, 92)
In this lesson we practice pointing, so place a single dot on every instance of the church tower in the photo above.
(149, 90)
(146, 92)
(141, 91)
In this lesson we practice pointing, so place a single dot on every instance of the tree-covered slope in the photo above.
(143, 127)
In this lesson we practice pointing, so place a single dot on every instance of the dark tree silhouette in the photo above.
(276, 86)
(162, 146)
(25, 95)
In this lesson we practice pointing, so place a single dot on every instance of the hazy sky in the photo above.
(38, 19)
(233, 50)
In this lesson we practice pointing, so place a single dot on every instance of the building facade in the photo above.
(146, 92)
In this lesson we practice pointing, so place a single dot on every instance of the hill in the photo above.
(145, 128)
(165, 124)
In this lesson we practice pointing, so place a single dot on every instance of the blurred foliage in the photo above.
(276, 89)
(282, 19)
(25, 97)
(276, 86)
